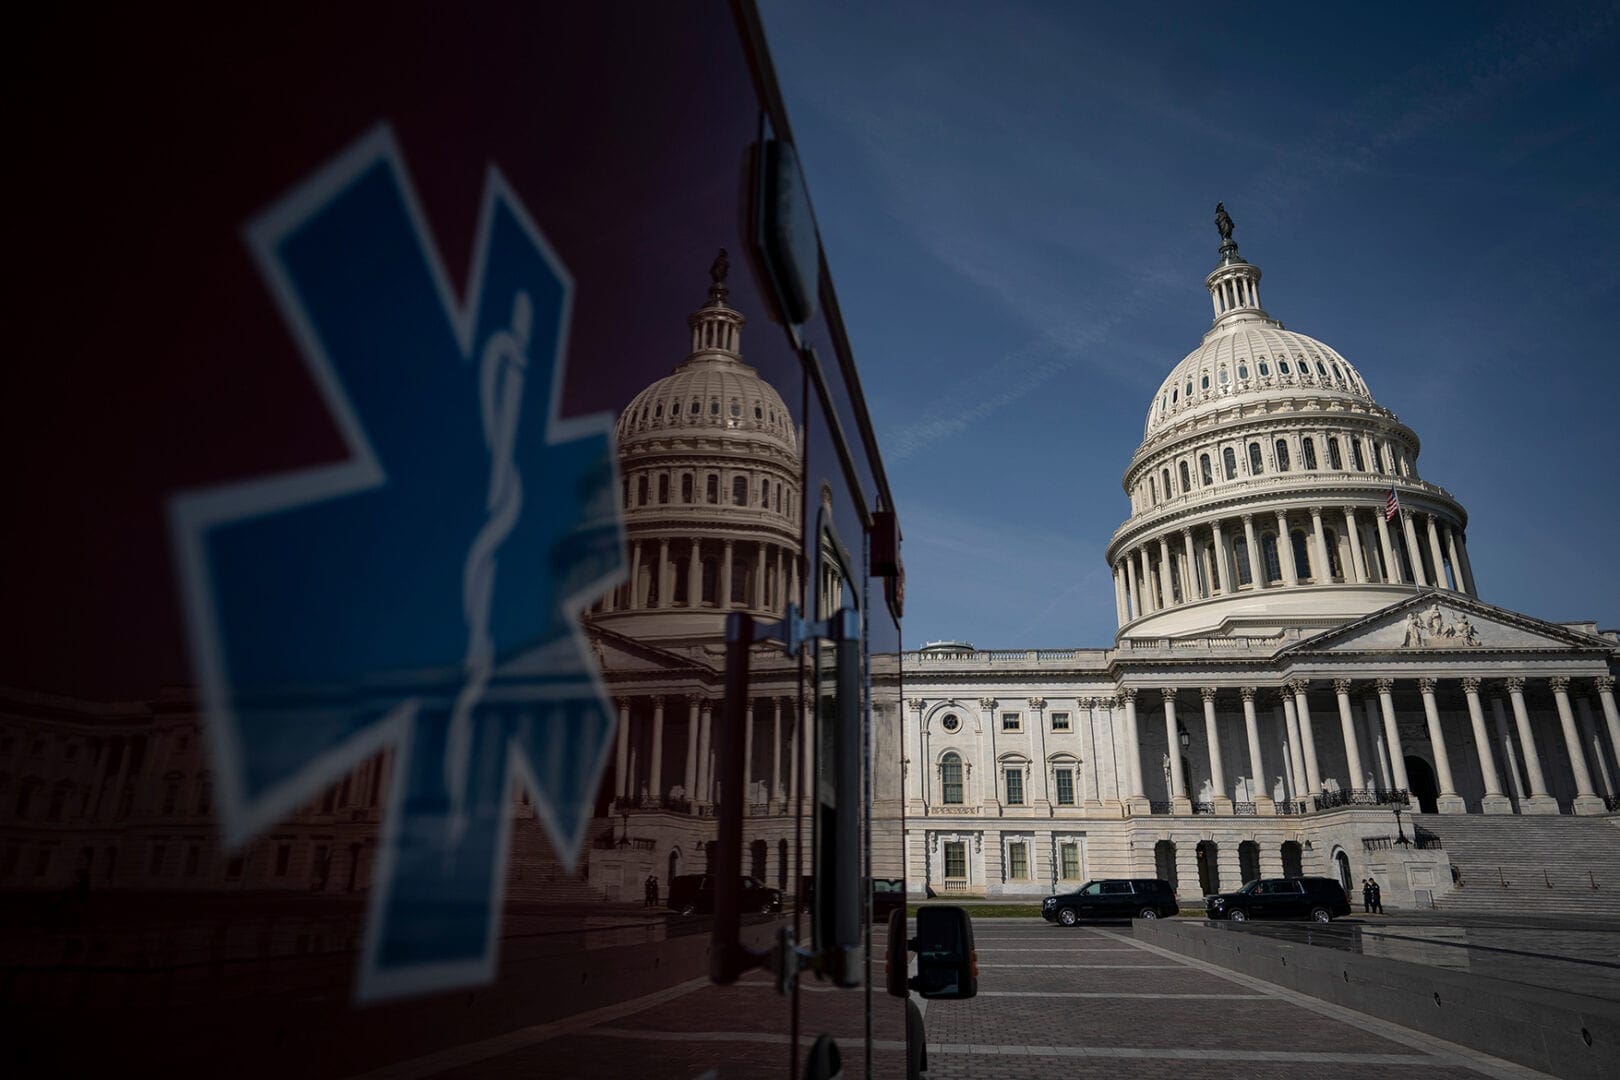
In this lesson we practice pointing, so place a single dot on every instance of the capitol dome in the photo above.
(709, 461)
(1261, 491)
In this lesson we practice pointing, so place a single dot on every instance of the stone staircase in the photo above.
(1551, 865)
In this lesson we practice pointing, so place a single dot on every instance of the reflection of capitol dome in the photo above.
(709, 457)
(1259, 490)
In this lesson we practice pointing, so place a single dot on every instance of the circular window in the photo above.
(951, 722)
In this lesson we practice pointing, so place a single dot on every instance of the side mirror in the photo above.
(947, 963)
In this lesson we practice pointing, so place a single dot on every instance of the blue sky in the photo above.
(1016, 202)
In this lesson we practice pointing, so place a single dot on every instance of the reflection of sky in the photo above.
(1017, 206)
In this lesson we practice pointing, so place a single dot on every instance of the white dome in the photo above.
(1251, 359)
(709, 394)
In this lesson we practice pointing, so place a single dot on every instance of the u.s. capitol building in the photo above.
(1302, 648)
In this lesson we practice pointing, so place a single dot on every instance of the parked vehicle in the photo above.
(1318, 898)
(693, 894)
(1113, 898)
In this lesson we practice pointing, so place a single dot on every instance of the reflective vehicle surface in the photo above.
(456, 545)
(1113, 898)
(1316, 898)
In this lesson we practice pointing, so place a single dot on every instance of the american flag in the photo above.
(1392, 505)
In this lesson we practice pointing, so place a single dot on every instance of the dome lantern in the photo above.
(717, 326)
(1234, 284)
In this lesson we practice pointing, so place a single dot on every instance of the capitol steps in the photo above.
(1550, 865)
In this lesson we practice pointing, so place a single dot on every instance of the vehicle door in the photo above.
(1291, 900)
(1117, 900)
(1088, 901)
(1262, 900)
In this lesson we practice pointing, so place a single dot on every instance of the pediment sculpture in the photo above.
(1433, 630)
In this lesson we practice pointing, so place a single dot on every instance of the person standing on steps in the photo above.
(1377, 897)
(1366, 896)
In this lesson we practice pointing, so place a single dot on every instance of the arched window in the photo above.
(1255, 467)
(714, 406)
(1204, 469)
(1243, 371)
(1282, 455)
(950, 779)
(1335, 459)
(1355, 456)
(663, 488)
(1333, 554)
(1186, 478)
(1302, 554)
(1168, 490)
(739, 490)
(1240, 548)
(778, 498)
(641, 492)
(1378, 457)
(1268, 554)
(1153, 491)
(1265, 368)
(686, 487)
(1308, 452)
(1203, 382)
(1282, 367)
(1223, 377)
(1229, 460)
(736, 409)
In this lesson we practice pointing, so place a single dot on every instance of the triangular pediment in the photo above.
(1447, 622)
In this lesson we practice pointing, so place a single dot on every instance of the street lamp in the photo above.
(1182, 736)
(1400, 833)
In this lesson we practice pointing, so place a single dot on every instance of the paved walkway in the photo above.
(1092, 1001)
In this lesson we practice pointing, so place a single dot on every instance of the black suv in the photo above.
(1113, 898)
(693, 894)
(1316, 898)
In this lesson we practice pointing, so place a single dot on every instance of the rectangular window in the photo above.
(950, 780)
(1015, 787)
(1060, 721)
(1355, 455)
(1070, 854)
(1065, 787)
(1011, 721)
(1335, 462)
(955, 859)
(1018, 861)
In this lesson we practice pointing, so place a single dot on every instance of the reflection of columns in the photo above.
(1373, 730)
(760, 603)
(1347, 729)
(694, 578)
(1179, 803)
(691, 778)
(1217, 771)
(1510, 757)
(776, 751)
(1285, 551)
(1257, 567)
(1223, 571)
(705, 784)
(1448, 802)
(1493, 802)
(1307, 737)
(1392, 567)
(1392, 734)
(1133, 745)
(657, 786)
(807, 754)
(1259, 790)
(1296, 754)
(1413, 554)
(1539, 802)
(746, 794)
(1435, 555)
(621, 753)
(664, 589)
(637, 597)
(722, 593)
(1590, 737)
(1586, 800)
(1352, 532)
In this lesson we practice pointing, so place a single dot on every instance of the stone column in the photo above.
(1179, 802)
(1223, 569)
(1189, 577)
(1285, 551)
(1347, 730)
(722, 592)
(1586, 800)
(1449, 802)
(1302, 708)
(1138, 561)
(1412, 551)
(1324, 571)
(1392, 566)
(1435, 554)
(1510, 757)
(621, 751)
(1119, 596)
(1136, 799)
(1357, 558)
(1467, 565)
(1296, 754)
(760, 603)
(664, 590)
(1217, 769)
(922, 761)
(1590, 737)
(807, 756)
(694, 577)
(1257, 566)
(1259, 789)
(690, 780)
(656, 786)
(989, 792)
(1091, 795)
(1456, 559)
(1040, 798)
(1372, 729)
(1392, 734)
(1167, 590)
(776, 752)
(1493, 802)
(705, 781)
(1604, 685)
(1539, 802)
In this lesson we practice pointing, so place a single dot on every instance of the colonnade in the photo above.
(680, 572)
(693, 784)
(1256, 551)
